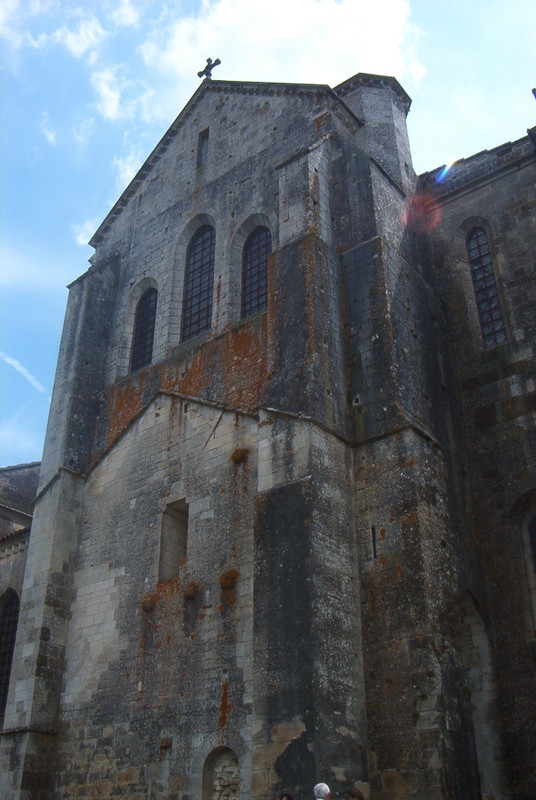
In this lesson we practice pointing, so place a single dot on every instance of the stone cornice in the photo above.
(367, 80)
(484, 167)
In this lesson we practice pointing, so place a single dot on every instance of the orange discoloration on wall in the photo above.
(240, 455)
(168, 588)
(320, 122)
(124, 402)
(225, 706)
(307, 259)
(228, 581)
(238, 357)
(149, 601)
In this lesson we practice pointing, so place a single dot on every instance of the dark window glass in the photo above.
(254, 271)
(484, 284)
(142, 342)
(198, 283)
(9, 617)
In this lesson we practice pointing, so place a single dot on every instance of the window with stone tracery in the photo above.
(257, 248)
(198, 283)
(488, 302)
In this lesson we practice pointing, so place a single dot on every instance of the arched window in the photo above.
(142, 341)
(257, 248)
(485, 286)
(9, 617)
(198, 283)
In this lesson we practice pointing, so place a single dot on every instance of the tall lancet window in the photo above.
(198, 283)
(486, 292)
(257, 248)
(142, 341)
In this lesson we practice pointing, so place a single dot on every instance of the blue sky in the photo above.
(89, 87)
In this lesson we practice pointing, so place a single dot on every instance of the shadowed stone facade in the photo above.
(297, 545)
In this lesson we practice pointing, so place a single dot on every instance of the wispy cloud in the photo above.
(84, 231)
(86, 37)
(127, 164)
(109, 84)
(83, 132)
(21, 369)
(47, 130)
(125, 15)
(324, 41)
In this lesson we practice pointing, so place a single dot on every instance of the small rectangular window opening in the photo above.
(173, 540)
(373, 530)
(202, 148)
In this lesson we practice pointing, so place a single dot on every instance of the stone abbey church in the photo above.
(285, 524)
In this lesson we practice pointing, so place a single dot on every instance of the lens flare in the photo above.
(445, 171)
(422, 214)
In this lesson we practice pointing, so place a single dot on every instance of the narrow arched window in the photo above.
(257, 248)
(142, 341)
(198, 283)
(9, 617)
(486, 292)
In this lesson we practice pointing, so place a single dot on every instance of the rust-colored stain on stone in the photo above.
(238, 357)
(239, 455)
(228, 581)
(225, 706)
(124, 402)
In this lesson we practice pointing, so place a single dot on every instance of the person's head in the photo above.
(285, 796)
(322, 791)
(355, 794)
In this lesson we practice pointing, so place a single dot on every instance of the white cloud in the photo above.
(108, 84)
(82, 233)
(127, 165)
(119, 98)
(47, 131)
(23, 371)
(322, 41)
(9, 15)
(87, 37)
(125, 15)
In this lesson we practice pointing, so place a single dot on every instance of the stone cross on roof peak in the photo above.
(209, 67)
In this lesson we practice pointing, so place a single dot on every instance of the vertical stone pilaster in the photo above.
(36, 678)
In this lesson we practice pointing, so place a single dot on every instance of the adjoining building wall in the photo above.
(495, 192)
